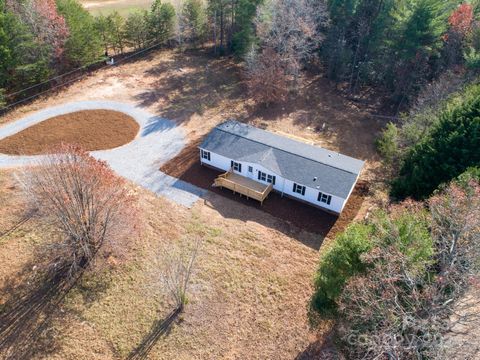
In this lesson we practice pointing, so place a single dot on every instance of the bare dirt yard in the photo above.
(251, 289)
(90, 129)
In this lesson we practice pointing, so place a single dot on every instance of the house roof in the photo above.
(313, 166)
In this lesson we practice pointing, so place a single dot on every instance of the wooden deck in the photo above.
(243, 185)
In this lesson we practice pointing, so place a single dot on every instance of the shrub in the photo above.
(387, 144)
(472, 173)
(345, 259)
(379, 305)
(88, 205)
(337, 265)
(419, 268)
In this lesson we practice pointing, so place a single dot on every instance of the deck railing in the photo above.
(224, 181)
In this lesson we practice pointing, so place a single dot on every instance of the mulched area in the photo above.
(90, 129)
(186, 166)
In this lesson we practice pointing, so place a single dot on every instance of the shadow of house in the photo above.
(284, 214)
(158, 329)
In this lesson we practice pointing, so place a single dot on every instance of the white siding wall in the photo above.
(281, 185)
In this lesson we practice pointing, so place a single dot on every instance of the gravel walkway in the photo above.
(158, 141)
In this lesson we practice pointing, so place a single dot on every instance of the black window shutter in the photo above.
(231, 163)
(329, 199)
(239, 167)
(273, 180)
(259, 174)
(303, 190)
(208, 155)
(294, 187)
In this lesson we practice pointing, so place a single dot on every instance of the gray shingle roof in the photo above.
(291, 159)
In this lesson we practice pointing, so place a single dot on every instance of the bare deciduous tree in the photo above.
(266, 78)
(292, 28)
(456, 230)
(289, 31)
(402, 308)
(88, 205)
(176, 263)
(43, 19)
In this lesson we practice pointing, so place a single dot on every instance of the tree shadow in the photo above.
(29, 313)
(195, 83)
(159, 328)
(157, 124)
(322, 348)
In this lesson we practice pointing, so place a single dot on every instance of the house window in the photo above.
(236, 166)
(205, 154)
(266, 177)
(250, 169)
(299, 189)
(327, 199)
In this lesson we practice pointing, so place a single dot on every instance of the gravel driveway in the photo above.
(158, 141)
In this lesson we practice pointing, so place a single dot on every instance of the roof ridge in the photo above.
(288, 152)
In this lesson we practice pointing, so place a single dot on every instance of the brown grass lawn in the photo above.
(90, 129)
(248, 297)
(250, 293)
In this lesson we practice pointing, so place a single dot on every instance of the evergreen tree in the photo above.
(136, 29)
(161, 21)
(193, 18)
(117, 29)
(451, 147)
(24, 60)
(415, 43)
(244, 35)
(102, 27)
(84, 43)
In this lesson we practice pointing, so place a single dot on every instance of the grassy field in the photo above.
(124, 7)
(250, 292)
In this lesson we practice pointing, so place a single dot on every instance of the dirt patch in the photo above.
(90, 129)
(186, 166)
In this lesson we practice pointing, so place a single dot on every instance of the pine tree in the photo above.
(452, 147)
(161, 21)
(244, 35)
(84, 44)
(136, 29)
(193, 18)
(25, 60)
(415, 44)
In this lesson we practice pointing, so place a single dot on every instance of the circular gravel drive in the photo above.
(158, 141)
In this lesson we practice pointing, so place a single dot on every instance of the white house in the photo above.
(317, 176)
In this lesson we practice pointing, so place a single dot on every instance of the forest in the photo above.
(388, 283)
(396, 47)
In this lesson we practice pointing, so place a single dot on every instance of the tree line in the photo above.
(398, 46)
(395, 46)
(40, 39)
